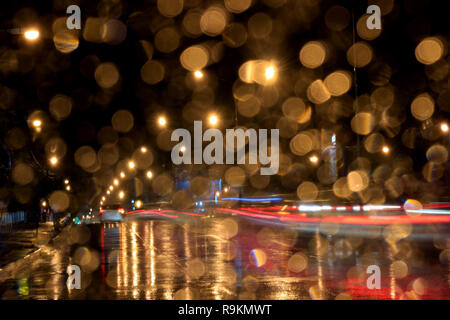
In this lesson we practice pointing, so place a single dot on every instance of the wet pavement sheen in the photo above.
(232, 258)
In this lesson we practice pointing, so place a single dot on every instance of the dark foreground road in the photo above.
(237, 257)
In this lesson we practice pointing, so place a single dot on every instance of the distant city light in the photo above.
(138, 204)
(53, 161)
(444, 127)
(144, 149)
(108, 192)
(314, 159)
(44, 203)
(162, 121)
(149, 174)
(37, 123)
(68, 188)
(111, 188)
(116, 182)
(198, 74)
(121, 194)
(122, 174)
(31, 34)
(270, 72)
(131, 165)
(386, 150)
(213, 120)
(225, 189)
(66, 181)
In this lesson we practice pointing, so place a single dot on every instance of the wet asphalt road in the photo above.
(231, 257)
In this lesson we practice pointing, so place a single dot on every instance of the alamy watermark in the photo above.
(74, 277)
(258, 150)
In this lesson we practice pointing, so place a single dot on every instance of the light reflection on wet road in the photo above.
(231, 258)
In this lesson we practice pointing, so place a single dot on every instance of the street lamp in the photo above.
(37, 123)
(43, 204)
(111, 188)
(162, 121)
(198, 74)
(149, 174)
(138, 204)
(31, 34)
(68, 188)
(144, 149)
(122, 174)
(53, 161)
(270, 72)
(314, 159)
(131, 164)
(66, 181)
(116, 182)
(444, 127)
(213, 119)
(386, 150)
(121, 194)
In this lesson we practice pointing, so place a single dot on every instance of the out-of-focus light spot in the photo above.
(259, 257)
(108, 192)
(182, 149)
(162, 121)
(444, 127)
(116, 182)
(313, 54)
(149, 174)
(357, 180)
(138, 204)
(422, 107)
(213, 119)
(429, 50)
(307, 191)
(44, 203)
(194, 58)
(170, 8)
(297, 262)
(152, 72)
(360, 54)
(237, 6)
(260, 25)
(37, 123)
(338, 82)
(317, 92)
(122, 174)
(121, 194)
(198, 74)
(31, 34)
(103, 198)
(111, 188)
(107, 75)
(225, 189)
(66, 181)
(386, 150)
(65, 41)
(60, 107)
(144, 149)
(68, 188)
(131, 164)
(363, 123)
(337, 18)
(213, 21)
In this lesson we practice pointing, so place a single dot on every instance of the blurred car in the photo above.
(112, 212)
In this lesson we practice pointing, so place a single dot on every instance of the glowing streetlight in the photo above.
(66, 181)
(122, 174)
(386, 150)
(53, 161)
(111, 188)
(144, 149)
(225, 189)
(44, 204)
(31, 34)
(37, 123)
(270, 72)
(149, 174)
(138, 204)
(108, 192)
(103, 198)
(183, 149)
(213, 120)
(198, 74)
(444, 127)
(162, 121)
(116, 182)
(131, 164)
(314, 159)
(121, 194)
(68, 188)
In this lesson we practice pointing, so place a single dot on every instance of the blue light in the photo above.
(132, 201)
(254, 200)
